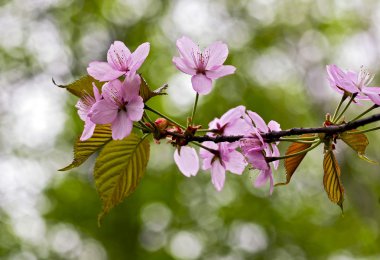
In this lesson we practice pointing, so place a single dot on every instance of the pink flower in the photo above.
(256, 150)
(231, 123)
(225, 158)
(187, 160)
(350, 81)
(120, 61)
(84, 106)
(120, 107)
(203, 66)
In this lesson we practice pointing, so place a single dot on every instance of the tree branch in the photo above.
(275, 135)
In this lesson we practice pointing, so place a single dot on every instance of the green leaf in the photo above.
(331, 179)
(82, 86)
(291, 164)
(118, 170)
(146, 93)
(84, 149)
(358, 142)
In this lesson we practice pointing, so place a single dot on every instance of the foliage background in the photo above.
(280, 49)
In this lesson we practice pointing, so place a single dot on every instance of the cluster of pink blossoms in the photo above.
(119, 104)
(353, 83)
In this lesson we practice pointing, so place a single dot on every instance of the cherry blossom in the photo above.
(256, 150)
(120, 107)
(84, 106)
(224, 158)
(120, 61)
(231, 123)
(204, 67)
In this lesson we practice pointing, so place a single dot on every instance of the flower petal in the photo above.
(135, 108)
(113, 92)
(121, 126)
(139, 56)
(220, 71)
(131, 86)
(183, 66)
(217, 53)
(201, 84)
(275, 153)
(88, 130)
(257, 160)
(118, 55)
(103, 112)
(188, 50)
(102, 71)
(263, 177)
(235, 163)
(218, 175)
(257, 120)
(187, 161)
(373, 93)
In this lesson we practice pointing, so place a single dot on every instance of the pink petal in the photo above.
(263, 177)
(131, 86)
(88, 130)
(102, 71)
(233, 114)
(257, 120)
(135, 108)
(182, 66)
(118, 56)
(201, 84)
(274, 126)
(139, 56)
(217, 53)
(103, 112)
(113, 92)
(187, 161)
(206, 155)
(238, 127)
(275, 153)
(236, 162)
(220, 71)
(218, 175)
(188, 50)
(121, 126)
(373, 93)
(97, 94)
(257, 160)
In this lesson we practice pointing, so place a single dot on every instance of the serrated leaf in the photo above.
(358, 142)
(119, 169)
(291, 164)
(146, 93)
(84, 149)
(82, 86)
(331, 179)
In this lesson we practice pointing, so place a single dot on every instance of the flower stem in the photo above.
(365, 112)
(167, 118)
(339, 105)
(194, 109)
(206, 148)
(271, 159)
(300, 141)
(140, 127)
(345, 108)
(301, 138)
(364, 131)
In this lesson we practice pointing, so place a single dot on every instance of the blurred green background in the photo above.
(280, 49)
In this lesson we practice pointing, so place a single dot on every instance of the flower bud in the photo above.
(161, 123)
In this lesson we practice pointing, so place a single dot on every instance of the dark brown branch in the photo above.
(276, 135)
